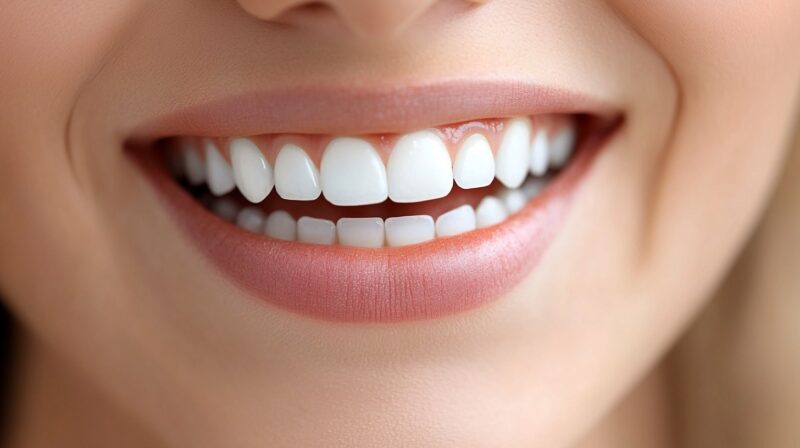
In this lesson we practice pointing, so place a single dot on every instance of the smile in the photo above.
(378, 226)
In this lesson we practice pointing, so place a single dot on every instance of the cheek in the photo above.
(49, 50)
(704, 38)
(737, 70)
(54, 47)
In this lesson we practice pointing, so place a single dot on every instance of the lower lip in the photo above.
(337, 283)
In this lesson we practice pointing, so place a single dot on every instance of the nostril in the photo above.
(363, 17)
(286, 11)
(313, 7)
(311, 10)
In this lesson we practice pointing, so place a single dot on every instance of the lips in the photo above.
(374, 227)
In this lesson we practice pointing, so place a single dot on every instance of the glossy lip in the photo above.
(337, 283)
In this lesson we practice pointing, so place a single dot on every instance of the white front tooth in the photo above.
(532, 187)
(225, 208)
(250, 218)
(419, 168)
(562, 146)
(296, 176)
(360, 232)
(539, 153)
(513, 156)
(352, 173)
(406, 230)
(251, 171)
(456, 221)
(316, 231)
(490, 211)
(474, 165)
(514, 200)
(195, 166)
(220, 174)
(281, 226)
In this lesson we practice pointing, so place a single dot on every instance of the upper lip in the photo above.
(353, 110)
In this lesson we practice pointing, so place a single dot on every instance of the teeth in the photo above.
(407, 230)
(195, 167)
(352, 173)
(251, 171)
(562, 146)
(316, 231)
(514, 153)
(220, 175)
(225, 209)
(419, 168)
(474, 165)
(250, 218)
(296, 176)
(532, 187)
(514, 200)
(360, 232)
(280, 225)
(456, 221)
(490, 211)
(539, 153)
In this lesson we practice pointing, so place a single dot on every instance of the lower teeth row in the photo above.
(377, 232)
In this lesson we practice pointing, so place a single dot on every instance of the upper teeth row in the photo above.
(352, 172)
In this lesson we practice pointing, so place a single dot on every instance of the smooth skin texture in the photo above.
(119, 312)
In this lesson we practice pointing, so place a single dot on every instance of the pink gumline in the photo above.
(337, 283)
(453, 136)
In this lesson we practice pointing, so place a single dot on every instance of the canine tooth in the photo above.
(316, 231)
(296, 176)
(352, 173)
(360, 232)
(513, 156)
(456, 221)
(474, 165)
(251, 170)
(195, 166)
(225, 208)
(514, 200)
(250, 218)
(539, 153)
(220, 175)
(419, 168)
(562, 146)
(406, 230)
(281, 226)
(490, 211)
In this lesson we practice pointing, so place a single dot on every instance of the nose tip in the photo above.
(363, 17)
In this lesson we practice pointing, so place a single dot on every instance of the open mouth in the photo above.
(379, 226)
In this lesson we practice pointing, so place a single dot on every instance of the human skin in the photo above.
(103, 282)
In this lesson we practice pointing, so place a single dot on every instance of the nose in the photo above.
(364, 17)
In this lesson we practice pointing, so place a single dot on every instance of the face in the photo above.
(604, 161)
